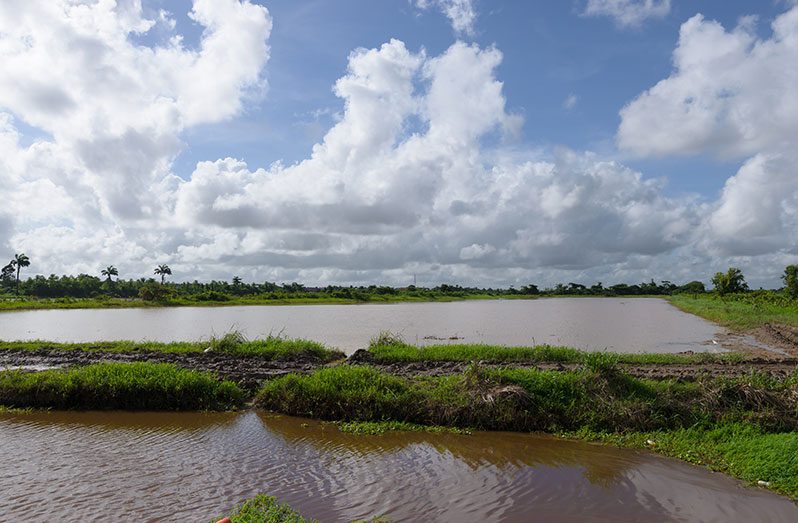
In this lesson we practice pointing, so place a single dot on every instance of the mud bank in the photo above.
(250, 372)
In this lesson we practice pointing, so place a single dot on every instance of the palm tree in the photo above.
(110, 271)
(236, 281)
(20, 260)
(163, 270)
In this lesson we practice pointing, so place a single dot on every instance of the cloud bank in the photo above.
(422, 174)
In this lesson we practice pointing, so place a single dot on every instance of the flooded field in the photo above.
(119, 466)
(616, 324)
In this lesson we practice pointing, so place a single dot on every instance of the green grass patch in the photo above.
(391, 349)
(270, 348)
(741, 311)
(265, 509)
(376, 428)
(121, 386)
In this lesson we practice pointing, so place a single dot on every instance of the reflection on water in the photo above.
(120, 466)
(617, 324)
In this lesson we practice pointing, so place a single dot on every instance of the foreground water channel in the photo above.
(121, 466)
(616, 324)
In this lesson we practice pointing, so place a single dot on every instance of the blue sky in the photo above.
(550, 53)
(360, 141)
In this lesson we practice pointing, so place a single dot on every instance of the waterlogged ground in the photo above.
(615, 324)
(118, 466)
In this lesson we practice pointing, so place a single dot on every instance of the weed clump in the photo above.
(265, 509)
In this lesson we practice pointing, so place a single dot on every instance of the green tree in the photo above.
(108, 272)
(791, 280)
(163, 270)
(729, 282)
(20, 261)
(7, 275)
(236, 281)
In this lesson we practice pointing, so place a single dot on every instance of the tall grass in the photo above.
(127, 386)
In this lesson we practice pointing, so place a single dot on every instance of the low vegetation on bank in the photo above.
(271, 348)
(119, 386)
(600, 398)
(742, 311)
(389, 348)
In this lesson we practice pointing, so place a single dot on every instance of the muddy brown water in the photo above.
(616, 324)
(119, 466)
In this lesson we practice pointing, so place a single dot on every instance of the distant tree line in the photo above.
(89, 286)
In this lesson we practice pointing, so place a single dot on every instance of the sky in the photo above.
(476, 142)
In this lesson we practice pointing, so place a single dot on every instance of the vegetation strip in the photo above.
(233, 343)
(119, 386)
(742, 311)
(389, 348)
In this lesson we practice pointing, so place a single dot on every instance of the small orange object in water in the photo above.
(224, 520)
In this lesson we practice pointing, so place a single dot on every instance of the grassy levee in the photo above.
(388, 349)
(743, 311)
(121, 386)
(270, 348)
(598, 399)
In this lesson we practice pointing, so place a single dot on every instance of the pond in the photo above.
(121, 466)
(616, 324)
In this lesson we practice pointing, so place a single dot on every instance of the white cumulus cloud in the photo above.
(628, 13)
(734, 95)
(462, 14)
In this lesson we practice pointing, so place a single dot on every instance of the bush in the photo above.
(156, 292)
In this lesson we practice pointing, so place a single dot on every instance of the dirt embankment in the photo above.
(782, 337)
(756, 347)
(247, 371)
(778, 368)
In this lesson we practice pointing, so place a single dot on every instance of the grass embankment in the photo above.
(390, 349)
(120, 386)
(597, 399)
(271, 348)
(743, 311)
